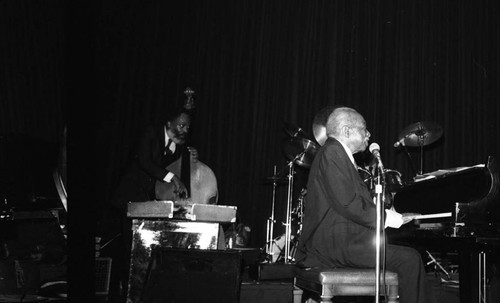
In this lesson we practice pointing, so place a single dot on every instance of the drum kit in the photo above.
(300, 150)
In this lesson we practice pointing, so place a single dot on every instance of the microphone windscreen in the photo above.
(374, 146)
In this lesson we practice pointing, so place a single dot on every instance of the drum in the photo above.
(367, 177)
(278, 248)
(393, 180)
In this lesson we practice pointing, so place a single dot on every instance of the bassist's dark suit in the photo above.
(149, 166)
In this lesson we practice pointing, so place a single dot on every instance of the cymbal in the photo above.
(319, 132)
(421, 133)
(319, 124)
(300, 150)
(294, 131)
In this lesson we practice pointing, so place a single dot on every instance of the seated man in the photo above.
(339, 224)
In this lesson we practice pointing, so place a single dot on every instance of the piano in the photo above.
(167, 225)
(460, 208)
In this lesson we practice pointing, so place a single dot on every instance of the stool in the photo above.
(328, 283)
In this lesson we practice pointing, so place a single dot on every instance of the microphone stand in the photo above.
(270, 222)
(379, 190)
(421, 144)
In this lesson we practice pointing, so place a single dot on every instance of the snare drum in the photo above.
(393, 179)
(367, 177)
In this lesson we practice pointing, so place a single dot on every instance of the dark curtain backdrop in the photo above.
(257, 64)
(254, 65)
(32, 71)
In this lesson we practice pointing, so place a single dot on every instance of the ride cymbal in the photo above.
(420, 134)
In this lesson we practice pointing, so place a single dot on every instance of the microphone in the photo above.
(400, 142)
(375, 150)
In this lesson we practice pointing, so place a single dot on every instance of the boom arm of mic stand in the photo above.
(290, 163)
(412, 165)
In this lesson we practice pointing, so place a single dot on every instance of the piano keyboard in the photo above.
(432, 216)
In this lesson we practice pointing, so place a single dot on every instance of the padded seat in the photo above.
(324, 284)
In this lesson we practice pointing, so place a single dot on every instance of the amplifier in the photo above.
(102, 275)
(193, 212)
(212, 213)
(192, 276)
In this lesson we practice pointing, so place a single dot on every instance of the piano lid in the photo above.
(438, 192)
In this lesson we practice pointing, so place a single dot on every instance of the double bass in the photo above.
(198, 178)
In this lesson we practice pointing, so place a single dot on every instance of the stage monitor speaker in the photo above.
(188, 275)
(102, 275)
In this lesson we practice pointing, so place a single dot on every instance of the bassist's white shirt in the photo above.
(170, 175)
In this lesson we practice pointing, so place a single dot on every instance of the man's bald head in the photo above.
(340, 117)
(348, 126)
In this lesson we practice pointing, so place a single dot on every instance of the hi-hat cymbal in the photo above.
(420, 134)
(319, 124)
(294, 131)
(300, 150)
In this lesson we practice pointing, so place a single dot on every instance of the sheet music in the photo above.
(444, 172)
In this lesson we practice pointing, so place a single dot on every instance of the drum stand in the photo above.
(288, 231)
(299, 211)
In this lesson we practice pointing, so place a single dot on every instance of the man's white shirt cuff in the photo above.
(168, 177)
(393, 219)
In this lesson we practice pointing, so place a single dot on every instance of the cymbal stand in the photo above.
(271, 221)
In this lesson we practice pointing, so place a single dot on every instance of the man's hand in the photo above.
(194, 153)
(408, 217)
(179, 187)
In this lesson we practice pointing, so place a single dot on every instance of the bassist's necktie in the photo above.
(167, 148)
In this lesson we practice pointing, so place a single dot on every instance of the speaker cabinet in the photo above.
(192, 276)
(102, 275)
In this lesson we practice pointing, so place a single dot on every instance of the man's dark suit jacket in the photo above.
(149, 165)
(339, 214)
